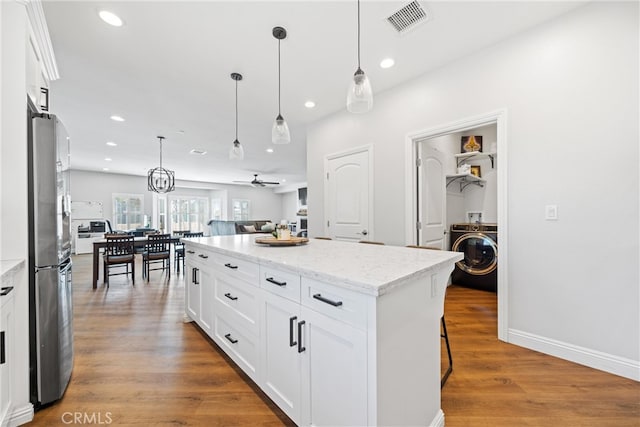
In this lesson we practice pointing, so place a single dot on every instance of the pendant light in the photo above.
(280, 130)
(236, 152)
(161, 180)
(360, 95)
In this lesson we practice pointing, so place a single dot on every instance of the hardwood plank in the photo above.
(136, 360)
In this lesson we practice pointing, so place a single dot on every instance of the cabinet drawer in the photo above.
(240, 345)
(238, 299)
(338, 303)
(197, 256)
(238, 268)
(281, 283)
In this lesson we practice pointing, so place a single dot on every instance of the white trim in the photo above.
(499, 117)
(19, 416)
(42, 38)
(584, 356)
(362, 149)
(438, 420)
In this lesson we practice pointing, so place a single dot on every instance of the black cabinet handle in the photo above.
(233, 267)
(3, 357)
(275, 282)
(191, 252)
(328, 301)
(300, 347)
(231, 340)
(203, 256)
(194, 276)
(231, 297)
(5, 291)
(292, 342)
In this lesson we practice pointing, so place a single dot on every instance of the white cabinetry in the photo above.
(199, 289)
(6, 352)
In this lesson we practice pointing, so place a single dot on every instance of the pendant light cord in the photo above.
(358, 34)
(279, 114)
(236, 110)
(160, 138)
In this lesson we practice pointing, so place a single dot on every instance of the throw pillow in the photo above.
(250, 228)
(269, 226)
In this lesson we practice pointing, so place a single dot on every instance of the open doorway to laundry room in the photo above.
(458, 198)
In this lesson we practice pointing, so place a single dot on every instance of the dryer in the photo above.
(479, 267)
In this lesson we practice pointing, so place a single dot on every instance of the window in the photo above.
(189, 213)
(127, 211)
(216, 209)
(240, 209)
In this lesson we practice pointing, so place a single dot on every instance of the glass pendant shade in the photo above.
(236, 152)
(280, 131)
(360, 95)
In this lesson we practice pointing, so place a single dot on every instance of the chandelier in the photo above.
(161, 180)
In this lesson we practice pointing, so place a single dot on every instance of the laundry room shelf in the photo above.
(475, 155)
(465, 179)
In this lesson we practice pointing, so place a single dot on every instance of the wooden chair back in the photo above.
(194, 234)
(118, 245)
(157, 243)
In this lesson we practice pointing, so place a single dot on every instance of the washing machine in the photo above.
(479, 243)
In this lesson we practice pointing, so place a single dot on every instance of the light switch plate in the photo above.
(551, 212)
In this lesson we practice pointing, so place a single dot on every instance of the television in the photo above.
(302, 196)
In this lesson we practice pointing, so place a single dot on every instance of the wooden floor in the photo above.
(137, 363)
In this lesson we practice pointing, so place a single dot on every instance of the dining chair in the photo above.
(444, 333)
(156, 250)
(119, 253)
(178, 249)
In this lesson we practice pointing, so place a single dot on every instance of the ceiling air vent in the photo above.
(408, 17)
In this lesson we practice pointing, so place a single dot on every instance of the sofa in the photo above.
(253, 226)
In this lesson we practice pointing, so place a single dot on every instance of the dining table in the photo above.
(138, 242)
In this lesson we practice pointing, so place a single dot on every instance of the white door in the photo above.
(334, 369)
(348, 196)
(431, 196)
(280, 360)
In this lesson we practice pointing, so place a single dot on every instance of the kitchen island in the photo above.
(335, 333)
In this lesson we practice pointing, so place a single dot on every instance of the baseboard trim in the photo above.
(21, 415)
(584, 356)
(438, 420)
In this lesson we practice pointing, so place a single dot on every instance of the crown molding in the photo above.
(41, 35)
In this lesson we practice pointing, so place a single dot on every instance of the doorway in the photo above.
(427, 213)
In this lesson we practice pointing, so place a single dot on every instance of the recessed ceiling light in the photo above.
(110, 18)
(105, 169)
(107, 159)
(269, 150)
(309, 104)
(199, 152)
(387, 63)
(117, 118)
(111, 144)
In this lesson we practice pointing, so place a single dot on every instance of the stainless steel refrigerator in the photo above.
(50, 287)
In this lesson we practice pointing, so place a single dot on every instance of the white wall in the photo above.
(570, 88)
(99, 186)
(290, 206)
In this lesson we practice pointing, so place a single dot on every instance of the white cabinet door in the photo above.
(6, 329)
(193, 291)
(280, 357)
(334, 372)
(206, 297)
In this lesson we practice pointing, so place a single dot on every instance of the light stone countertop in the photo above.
(9, 267)
(369, 269)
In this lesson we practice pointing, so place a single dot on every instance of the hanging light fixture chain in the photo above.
(279, 113)
(236, 110)
(358, 34)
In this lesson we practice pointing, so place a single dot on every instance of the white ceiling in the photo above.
(168, 70)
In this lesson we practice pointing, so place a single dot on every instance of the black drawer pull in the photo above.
(275, 282)
(231, 297)
(191, 252)
(194, 276)
(328, 301)
(231, 340)
(300, 347)
(233, 267)
(292, 342)
(5, 291)
(3, 357)
(203, 256)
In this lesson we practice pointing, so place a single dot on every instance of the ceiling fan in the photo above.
(258, 182)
